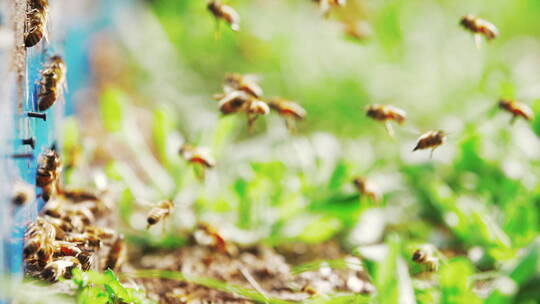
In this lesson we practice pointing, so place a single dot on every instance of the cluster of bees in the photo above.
(65, 236)
(52, 82)
(242, 93)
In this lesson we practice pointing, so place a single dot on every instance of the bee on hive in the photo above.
(35, 25)
(48, 173)
(52, 82)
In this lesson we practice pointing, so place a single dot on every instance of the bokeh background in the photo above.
(145, 73)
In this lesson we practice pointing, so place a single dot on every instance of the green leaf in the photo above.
(320, 229)
(455, 282)
(339, 176)
(162, 126)
(112, 106)
(536, 120)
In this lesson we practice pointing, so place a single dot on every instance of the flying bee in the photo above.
(232, 102)
(357, 30)
(422, 257)
(326, 5)
(479, 27)
(226, 13)
(386, 113)
(35, 25)
(48, 173)
(52, 82)
(289, 110)
(516, 109)
(247, 83)
(200, 156)
(22, 193)
(367, 188)
(430, 140)
(161, 211)
(256, 108)
(59, 268)
(309, 289)
(216, 239)
(117, 254)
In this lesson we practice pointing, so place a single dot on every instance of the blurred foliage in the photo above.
(96, 288)
(477, 200)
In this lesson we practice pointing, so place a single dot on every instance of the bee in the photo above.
(479, 27)
(161, 211)
(216, 239)
(48, 173)
(516, 109)
(64, 248)
(289, 110)
(256, 108)
(386, 113)
(36, 22)
(59, 268)
(232, 102)
(358, 30)
(77, 196)
(423, 258)
(117, 254)
(22, 193)
(39, 240)
(430, 140)
(246, 83)
(367, 188)
(309, 289)
(87, 259)
(326, 5)
(225, 12)
(197, 155)
(52, 82)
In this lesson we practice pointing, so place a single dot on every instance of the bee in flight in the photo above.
(161, 211)
(291, 111)
(35, 25)
(216, 240)
(367, 188)
(52, 82)
(242, 93)
(326, 5)
(48, 173)
(430, 140)
(247, 83)
(22, 193)
(226, 13)
(479, 27)
(517, 109)
(422, 257)
(386, 113)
